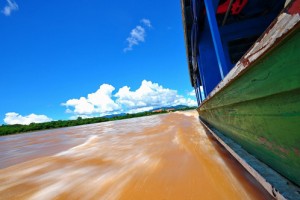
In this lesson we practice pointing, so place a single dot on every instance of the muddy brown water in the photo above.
(160, 157)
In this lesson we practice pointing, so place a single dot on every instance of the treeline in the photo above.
(18, 128)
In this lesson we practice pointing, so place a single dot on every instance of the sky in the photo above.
(63, 59)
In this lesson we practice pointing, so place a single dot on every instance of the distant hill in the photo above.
(114, 115)
(178, 107)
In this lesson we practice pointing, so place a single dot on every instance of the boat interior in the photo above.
(219, 32)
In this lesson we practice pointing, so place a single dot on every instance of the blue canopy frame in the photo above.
(210, 44)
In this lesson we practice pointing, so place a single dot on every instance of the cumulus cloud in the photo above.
(95, 103)
(11, 5)
(137, 35)
(15, 118)
(192, 93)
(148, 96)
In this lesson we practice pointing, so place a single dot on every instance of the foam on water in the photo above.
(171, 159)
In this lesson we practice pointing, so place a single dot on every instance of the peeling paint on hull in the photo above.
(276, 32)
(258, 103)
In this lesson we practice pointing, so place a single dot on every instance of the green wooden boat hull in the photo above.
(260, 108)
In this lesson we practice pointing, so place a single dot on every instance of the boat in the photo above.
(243, 59)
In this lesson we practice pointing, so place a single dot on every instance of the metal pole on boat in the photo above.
(214, 30)
(227, 12)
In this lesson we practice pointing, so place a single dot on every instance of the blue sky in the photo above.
(64, 59)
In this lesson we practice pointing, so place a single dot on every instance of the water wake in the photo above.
(171, 158)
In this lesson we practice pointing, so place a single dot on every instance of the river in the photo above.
(161, 157)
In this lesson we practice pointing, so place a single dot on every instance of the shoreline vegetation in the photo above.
(18, 128)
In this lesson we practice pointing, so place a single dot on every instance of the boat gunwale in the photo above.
(246, 65)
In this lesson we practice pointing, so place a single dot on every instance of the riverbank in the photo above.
(18, 128)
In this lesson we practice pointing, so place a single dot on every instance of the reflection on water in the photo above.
(159, 157)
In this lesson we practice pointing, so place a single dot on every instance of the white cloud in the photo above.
(81, 106)
(202, 92)
(10, 6)
(148, 96)
(192, 93)
(137, 35)
(15, 118)
(95, 103)
(146, 22)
